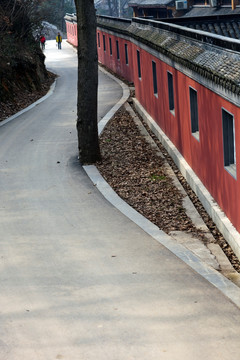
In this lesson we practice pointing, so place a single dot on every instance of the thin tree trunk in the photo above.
(110, 8)
(88, 144)
(62, 14)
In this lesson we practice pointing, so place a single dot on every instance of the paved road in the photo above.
(79, 281)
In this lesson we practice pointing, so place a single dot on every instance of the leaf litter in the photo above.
(136, 173)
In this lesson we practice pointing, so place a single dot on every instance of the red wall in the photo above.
(72, 33)
(118, 66)
(205, 156)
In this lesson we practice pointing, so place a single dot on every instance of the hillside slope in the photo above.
(22, 68)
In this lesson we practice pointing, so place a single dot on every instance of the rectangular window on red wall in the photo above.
(139, 64)
(104, 43)
(117, 47)
(194, 112)
(229, 142)
(126, 54)
(110, 46)
(99, 44)
(154, 73)
(170, 92)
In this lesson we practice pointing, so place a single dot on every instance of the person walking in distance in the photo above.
(42, 41)
(59, 41)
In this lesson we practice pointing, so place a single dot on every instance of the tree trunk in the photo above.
(110, 8)
(62, 15)
(87, 129)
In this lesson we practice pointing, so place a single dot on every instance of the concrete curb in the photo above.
(49, 93)
(229, 289)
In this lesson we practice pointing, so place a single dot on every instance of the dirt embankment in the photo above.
(23, 74)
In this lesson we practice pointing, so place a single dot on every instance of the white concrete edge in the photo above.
(49, 93)
(225, 226)
(117, 106)
(229, 289)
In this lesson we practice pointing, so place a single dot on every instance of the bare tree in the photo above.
(18, 17)
(118, 8)
(21, 60)
(54, 11)
(88, 143)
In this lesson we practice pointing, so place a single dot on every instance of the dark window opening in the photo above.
(99, 44)
(126, 54)
(117, 46)
(228, 138)
(139, 64)
(154, 72)
(110, 46)
(193, 110)
(104, 43)
(170, 92)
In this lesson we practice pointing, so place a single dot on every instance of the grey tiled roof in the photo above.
(228, 28)
(223, 21)
(149, 3)
(211, 11)
(226, 66)
(212, 62)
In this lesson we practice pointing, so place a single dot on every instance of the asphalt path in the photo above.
(80, 281)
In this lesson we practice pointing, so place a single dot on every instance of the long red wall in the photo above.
(118, 66)
(71, 28)
(204, 155)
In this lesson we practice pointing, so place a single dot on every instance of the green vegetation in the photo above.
(156, 177)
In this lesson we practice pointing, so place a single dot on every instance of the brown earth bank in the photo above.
(24, 97)
(23, 75)
(136, 173)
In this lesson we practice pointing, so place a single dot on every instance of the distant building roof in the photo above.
(150, 3)
(211, 11)
(220, 21)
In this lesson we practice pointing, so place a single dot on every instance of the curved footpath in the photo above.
(80, 280)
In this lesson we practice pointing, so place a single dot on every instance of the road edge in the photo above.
(49, 93)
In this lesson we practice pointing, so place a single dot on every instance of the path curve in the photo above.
(79, 280)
